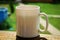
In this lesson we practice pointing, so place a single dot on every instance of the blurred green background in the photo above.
(48, 8)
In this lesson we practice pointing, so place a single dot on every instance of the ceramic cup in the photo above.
(28, 20)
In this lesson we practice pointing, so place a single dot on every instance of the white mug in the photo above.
(28, 20)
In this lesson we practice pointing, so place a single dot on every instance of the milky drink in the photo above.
(27, 21)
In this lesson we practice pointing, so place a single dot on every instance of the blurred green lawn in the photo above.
(55, 22)
(49, 8)
(46, 32)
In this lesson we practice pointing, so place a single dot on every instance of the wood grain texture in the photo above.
(11, 35)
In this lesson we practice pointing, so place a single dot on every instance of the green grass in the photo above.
(54, 21)
(12, 21)
(49, 8)
(46, 32)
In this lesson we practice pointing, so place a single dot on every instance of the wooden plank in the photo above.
(11, 35)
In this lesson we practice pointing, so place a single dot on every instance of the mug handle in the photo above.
(45, 29)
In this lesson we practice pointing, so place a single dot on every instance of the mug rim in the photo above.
(35, 7)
